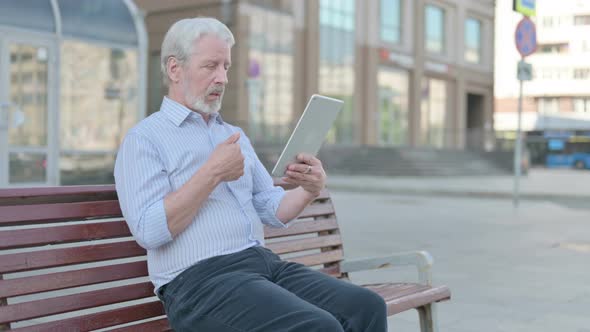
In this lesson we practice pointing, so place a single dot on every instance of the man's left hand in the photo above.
(308, 173)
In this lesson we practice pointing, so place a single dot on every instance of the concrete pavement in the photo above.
(509, 270)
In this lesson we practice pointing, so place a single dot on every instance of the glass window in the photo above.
(473, 40)
(392, 125)
(105, 20)
(548, 105)
(29, 14)
(582, 20)
(581, 73)
(270, 75)
(391, 21)
(28, 95)
(555, 48)
(582, 105)
(336, 78)
(435, 29)
(26, 167)
(99, 103)
(156, 88)
(433, 112)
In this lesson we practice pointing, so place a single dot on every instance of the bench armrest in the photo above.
(421, 259)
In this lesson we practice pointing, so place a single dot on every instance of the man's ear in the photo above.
(174, 69)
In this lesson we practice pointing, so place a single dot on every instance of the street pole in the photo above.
(518, 148)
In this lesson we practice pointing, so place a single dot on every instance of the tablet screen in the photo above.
(311, 130)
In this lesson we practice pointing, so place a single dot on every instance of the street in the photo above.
(508, 270)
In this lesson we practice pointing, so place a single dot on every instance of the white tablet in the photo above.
(310, 132)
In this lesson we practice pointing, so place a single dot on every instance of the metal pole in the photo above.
(518, 149)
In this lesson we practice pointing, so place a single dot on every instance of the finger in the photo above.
(308, 159)
(295, 181)
(301, 168)
(300, 176)
(233, 138)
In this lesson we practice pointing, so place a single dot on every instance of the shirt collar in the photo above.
(177, 112)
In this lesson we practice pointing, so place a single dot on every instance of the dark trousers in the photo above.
(254, 290)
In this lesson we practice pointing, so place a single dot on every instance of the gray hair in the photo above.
(180, 38)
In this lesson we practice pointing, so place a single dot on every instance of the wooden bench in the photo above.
(69, 263)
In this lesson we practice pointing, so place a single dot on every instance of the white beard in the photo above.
(198, 103)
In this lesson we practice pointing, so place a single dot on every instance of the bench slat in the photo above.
(402, 297)
(333, 270)
(317, 259)
(318, 210)
(284, 247)
(302, 227)
(100, 320)
(25, 193)
(62, 234)
(159, 325)
(43, 213)
(58, 305)
(62, 280)
(67, 256)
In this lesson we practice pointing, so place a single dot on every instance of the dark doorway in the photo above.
(475, 131)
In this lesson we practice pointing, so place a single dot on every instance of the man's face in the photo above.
(205, 74)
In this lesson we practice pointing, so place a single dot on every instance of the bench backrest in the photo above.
(68, 261)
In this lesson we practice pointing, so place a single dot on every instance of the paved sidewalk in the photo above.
(539, 184)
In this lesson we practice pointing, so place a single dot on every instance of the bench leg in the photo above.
(428, 322)
(3, 327)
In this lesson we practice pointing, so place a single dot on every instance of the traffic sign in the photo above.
(525, 71)
(525, 7)
(526, 37)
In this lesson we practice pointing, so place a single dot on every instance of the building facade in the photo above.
(558, 97)
(76, 75)
(411, 72)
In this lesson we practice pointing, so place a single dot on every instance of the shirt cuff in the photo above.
(272, 207)
(157, 233)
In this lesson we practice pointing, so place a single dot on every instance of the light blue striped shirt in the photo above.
(157, 157)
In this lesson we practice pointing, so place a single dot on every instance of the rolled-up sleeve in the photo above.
(266, 197)
(142, 184)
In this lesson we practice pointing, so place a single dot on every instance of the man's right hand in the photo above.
(227, 162)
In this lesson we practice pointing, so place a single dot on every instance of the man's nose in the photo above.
(221, 76)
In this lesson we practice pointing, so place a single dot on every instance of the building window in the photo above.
(473, 40)
(435, 29)
(553, 48)
(270, 75)
(581, 105)
(581, 73)
(392, 119)
(391, 21)
(433, 112)
(102, 81)
(582, 20)
(548, 105)
(336, 78)
(547, 21)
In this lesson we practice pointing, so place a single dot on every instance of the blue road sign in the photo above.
(526, 37)
(525, 7)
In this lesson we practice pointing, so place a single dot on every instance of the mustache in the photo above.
(216, 89)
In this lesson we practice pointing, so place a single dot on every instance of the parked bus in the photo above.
(571, 152)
